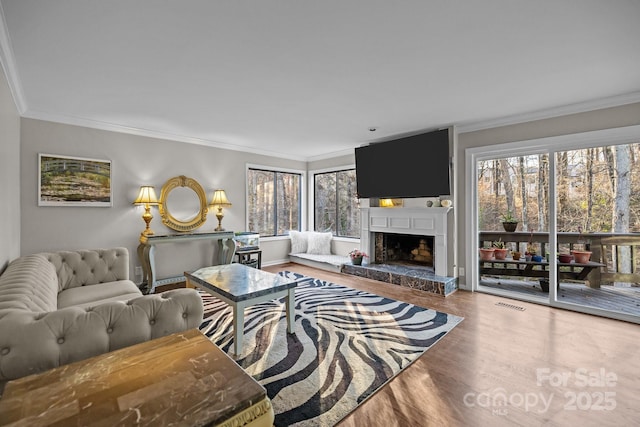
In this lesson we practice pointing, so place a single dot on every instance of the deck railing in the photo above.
(620, 252)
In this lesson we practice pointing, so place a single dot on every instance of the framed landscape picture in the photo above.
(73, 181)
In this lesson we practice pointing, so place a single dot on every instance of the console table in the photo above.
(147, 248)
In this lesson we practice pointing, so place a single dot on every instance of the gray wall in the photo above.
(140, 160)
(626, 115)
(136, 161)
(9, 175)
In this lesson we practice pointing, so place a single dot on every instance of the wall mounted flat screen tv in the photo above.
(414, 166)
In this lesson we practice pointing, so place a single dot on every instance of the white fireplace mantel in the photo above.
(436, 222)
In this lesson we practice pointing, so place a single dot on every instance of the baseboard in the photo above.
(276, 262)
(316, 264)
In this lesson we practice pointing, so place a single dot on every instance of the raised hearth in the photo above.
(415, 277)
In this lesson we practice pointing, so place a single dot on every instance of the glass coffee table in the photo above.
(241, 286)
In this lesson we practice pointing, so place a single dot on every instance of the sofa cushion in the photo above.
(29, 283)
(89, 267)
(92, 295)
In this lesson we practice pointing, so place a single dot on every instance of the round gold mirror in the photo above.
(183, 204)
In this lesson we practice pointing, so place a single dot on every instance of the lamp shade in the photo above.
(147, 196)
(220, 199)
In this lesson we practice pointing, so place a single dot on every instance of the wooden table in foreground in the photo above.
(240, 287)
(180, 380)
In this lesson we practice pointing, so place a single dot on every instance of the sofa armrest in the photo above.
(34, 342)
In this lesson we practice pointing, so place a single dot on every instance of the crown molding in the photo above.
(580, 107)
(112, 127)
(9, 65)
(613, 101)
(340, 153)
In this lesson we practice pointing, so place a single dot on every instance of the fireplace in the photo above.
(404, 249)
(411, 247)
(432, 224)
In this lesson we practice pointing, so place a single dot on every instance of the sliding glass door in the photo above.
(513, 220)
(557, 221)
(597, 195)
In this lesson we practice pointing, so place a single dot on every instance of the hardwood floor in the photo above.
(506, 366)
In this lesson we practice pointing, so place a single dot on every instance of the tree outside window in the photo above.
(336, 203)
(597, 190)
(274, 200)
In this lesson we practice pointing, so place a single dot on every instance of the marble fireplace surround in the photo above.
(435, 222)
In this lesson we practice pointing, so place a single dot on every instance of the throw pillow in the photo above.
(298, 242)
(319, 243)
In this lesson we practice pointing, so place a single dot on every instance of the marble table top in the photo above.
(180, 380)
(238, 282)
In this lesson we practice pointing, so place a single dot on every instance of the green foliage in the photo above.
(584, 197)
(508, 217)
(498, 244)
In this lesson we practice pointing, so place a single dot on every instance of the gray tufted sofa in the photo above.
(60, 307)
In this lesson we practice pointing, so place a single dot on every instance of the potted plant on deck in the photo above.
(530, 252)
(486, 254)
(565, 258)
(500, 249)
(509, 222)
(356, 256)
(582, 256)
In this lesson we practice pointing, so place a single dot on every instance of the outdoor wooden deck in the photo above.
(623, 300)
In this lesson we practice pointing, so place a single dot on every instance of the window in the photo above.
(273, 201)
(336, 204)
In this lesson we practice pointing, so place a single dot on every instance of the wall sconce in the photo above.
(219, 201)
(147, 197)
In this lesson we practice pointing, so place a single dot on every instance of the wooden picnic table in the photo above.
(566, 270)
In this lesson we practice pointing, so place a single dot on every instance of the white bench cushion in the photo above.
(336, 260)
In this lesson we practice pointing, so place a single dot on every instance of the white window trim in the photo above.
(303, 195)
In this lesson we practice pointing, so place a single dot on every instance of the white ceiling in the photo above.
(306, 79)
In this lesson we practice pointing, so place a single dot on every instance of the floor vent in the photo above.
(514, 307)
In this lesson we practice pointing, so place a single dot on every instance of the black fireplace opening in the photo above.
(392, 248)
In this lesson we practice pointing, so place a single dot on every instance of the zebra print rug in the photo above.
(348, 343)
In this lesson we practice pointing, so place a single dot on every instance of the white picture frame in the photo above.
(74, 181)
